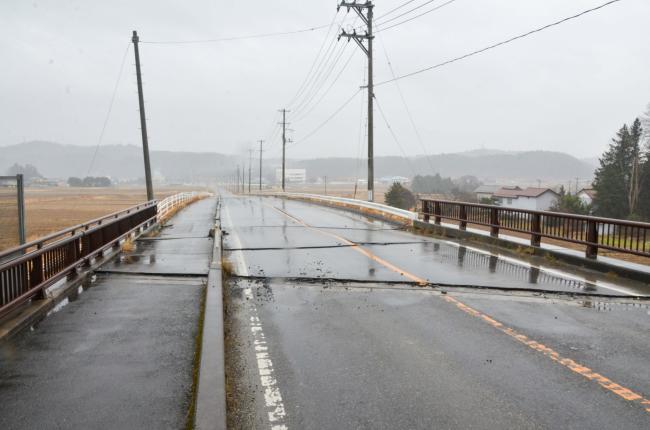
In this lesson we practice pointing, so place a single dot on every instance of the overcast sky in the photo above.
(566, 89)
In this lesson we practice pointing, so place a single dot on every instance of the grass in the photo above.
(49, 210)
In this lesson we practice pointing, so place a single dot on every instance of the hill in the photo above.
(124, 162)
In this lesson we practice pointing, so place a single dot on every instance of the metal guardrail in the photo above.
(167, 206)
(28, 270)
(595, 233)
(39, 264)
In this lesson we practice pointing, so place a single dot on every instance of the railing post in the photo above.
(425, 210)
(536, 230)
(592, 238)
(463, 217)
(494, 220)
(436, 212)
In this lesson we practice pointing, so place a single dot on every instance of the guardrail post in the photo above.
(592, 238)
(494, 220)
(463, 217)
(536, 230)
(436, 212)
(426, 212)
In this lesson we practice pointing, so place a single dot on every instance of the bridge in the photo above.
(289, 311)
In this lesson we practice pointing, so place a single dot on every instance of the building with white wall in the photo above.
(294, 176)
(536, 199)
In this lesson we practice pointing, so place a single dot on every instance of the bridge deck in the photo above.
(118, 353)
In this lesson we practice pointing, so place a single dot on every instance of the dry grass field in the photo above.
(340, 190)
(52, 209)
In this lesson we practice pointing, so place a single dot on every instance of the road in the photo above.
(337, 321)
(119, 352)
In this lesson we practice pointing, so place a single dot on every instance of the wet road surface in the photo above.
(326, 330)
(118, 354)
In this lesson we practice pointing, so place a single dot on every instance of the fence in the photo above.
(28, 270)
(594, 233)
(168, 206)
(12, 211)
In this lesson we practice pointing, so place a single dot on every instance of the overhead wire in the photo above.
(232, 38)
(110, 109)
(336, 78)
(329, 118)
(495, 45)
(392, 132)
(380, 29)
(395, 9)
(404, 13)
(313, 64)
(406, 107)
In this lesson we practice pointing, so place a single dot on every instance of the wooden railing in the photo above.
(593, 232)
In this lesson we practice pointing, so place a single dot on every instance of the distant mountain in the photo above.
(55, 160)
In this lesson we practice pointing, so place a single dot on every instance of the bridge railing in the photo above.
(594, 233)
(168, 206)
(26, 271)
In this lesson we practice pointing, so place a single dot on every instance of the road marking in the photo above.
(586, 372)
(276, 412)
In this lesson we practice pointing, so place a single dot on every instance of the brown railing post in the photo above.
(536, 230)
(436, 212)
(463, 217)
(426, 212)
(592, 238)
(494, 220)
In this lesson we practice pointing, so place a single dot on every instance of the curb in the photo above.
(211, 390)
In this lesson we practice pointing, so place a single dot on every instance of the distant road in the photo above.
(327, 329)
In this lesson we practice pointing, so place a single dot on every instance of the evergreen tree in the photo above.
(644, 192)
(399, 197)
(617, 181)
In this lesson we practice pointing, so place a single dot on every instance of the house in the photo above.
(296, 176)
(587, 195)
(539, 199)
(486, 191)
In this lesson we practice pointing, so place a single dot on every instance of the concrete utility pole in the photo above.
(20, 195)
(238, 181)
(359, 38)
(261, 143)
(250, 166)
(143, 119)
(284, 144)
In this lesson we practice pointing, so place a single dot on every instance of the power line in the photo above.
(313, 64)
(339, 109)
(406, 13)
(416, 16)
(231, 38)
(392, 132)
(406, 107)
(110, 109)
(487, 48)
(395, 8)
(306, 113)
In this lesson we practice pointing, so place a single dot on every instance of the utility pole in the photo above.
(20, 194)
(238, 181)
(325, 185)
(284, 144)
(250, 166)
(359, 39)
(143, 119)
(261, 143)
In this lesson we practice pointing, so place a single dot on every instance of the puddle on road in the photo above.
(71, 296)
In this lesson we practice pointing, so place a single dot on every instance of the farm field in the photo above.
(52, 209)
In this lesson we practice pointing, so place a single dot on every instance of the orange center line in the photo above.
(586, 372)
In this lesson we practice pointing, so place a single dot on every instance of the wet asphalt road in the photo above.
(344, 344)
(118, 354)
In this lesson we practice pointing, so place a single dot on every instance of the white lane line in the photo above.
(276, 412)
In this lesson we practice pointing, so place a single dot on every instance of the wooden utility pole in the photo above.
(261, 143)
(359, 39)
(143, 119)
